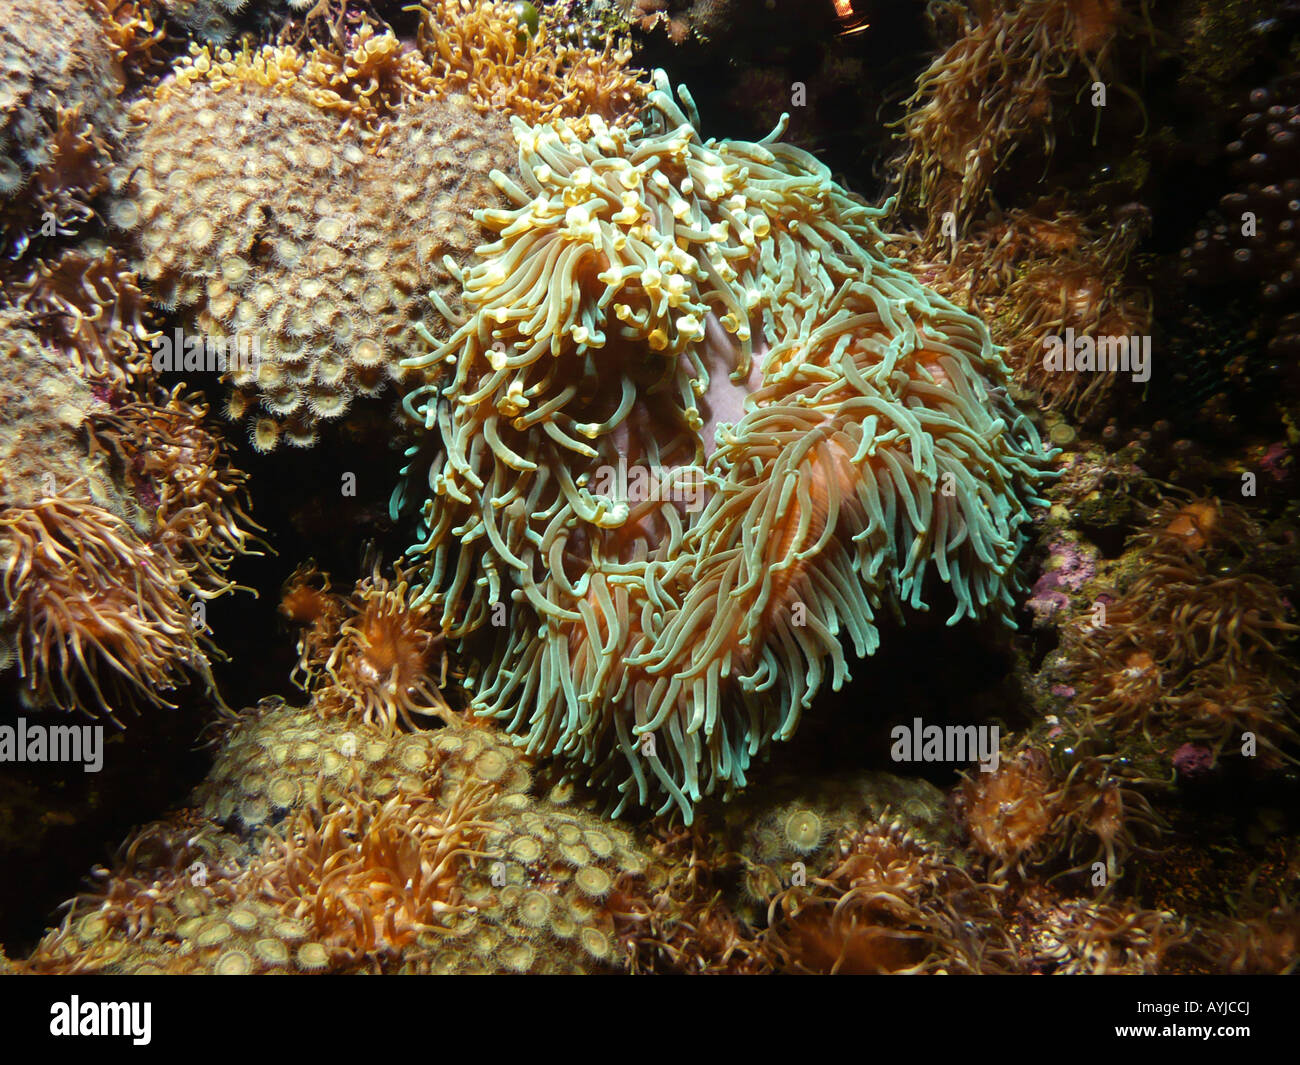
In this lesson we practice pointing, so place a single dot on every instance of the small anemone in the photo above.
(101, 621)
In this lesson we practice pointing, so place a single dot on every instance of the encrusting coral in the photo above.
(208, 20)
(698, 429)
(357, 171)
(362, 850)
(1254, 236)
(485, 51)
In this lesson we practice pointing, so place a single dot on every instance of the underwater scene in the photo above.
(649, 486)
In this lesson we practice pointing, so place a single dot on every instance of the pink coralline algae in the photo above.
(1193, 760)
(1069, 567)
(1277, 461)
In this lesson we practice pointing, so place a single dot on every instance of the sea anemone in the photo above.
(1034, 274)
(1066, 810)
(370, 876)
(389, 661)
(373, 656)
(1009, 812)
(699, 427)
(93, 311)
(179, 464)
(1095, 937)
(119, 509)
(485, 50)
(990, 91)
(889, 904)
(306, 600)
(688, 926)
(1196, 641)
(98, 608)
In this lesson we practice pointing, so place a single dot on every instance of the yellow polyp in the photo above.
(658, 340)
(514, 402)
(689, 327)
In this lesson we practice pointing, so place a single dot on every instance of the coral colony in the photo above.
(666, 444)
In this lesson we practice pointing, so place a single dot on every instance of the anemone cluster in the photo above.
(1195, 644)
(698, 425)
(119, 511)
(990, 92)
(1034, 274)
